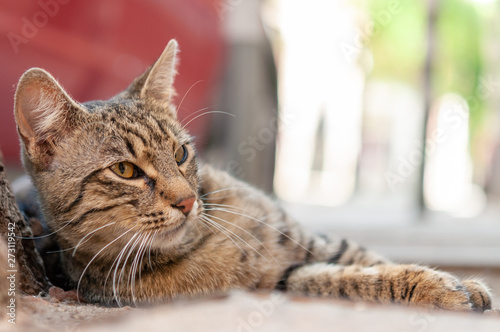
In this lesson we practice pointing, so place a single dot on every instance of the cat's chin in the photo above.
(170, 237)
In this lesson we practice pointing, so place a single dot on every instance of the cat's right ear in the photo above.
(156, 84)
(44, 113)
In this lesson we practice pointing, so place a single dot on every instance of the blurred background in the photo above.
(376, 120)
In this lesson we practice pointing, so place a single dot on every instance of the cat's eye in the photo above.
(125, 170)
(181, 155)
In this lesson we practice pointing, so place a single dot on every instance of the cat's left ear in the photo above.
(156, 84)
(44, 114)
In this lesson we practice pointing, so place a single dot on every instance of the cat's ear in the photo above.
(44, 113)
(159, 84)
(156, 84)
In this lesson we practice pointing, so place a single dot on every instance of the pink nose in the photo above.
(186, 205)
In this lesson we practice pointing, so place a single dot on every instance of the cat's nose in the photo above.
(185, 204)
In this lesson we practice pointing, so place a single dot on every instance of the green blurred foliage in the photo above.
(399, 48)
(458, 63)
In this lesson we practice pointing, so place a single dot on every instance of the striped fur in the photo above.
(130, 241)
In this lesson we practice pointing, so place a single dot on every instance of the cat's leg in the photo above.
(335, 250)
(340, 268)
(405, 284)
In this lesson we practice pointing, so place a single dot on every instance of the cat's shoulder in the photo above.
(213, 178)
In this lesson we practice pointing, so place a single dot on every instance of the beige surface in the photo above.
(246, 312)
(254, 312)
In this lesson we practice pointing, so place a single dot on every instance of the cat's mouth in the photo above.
(169, 228)
(170, 231)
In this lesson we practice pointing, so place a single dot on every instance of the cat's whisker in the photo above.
(204, 196)
(118, 256)
(95, 256)
(132, 249)
(111, 269)
(131, 271)
(137, 263)
(239, 238)
(150, 246)
(46, 235)
(224, 208)
(58, 251)
(187, 92)
(211, 230)
(262, 222)
(194, 113)
(116, 265)
(116, 283)
(198, 230)
(128, 267)
(221, 229)
(205, 113)
(140, 265)
(89, 235)
(76, 247)
(133, 267)
(246, 231)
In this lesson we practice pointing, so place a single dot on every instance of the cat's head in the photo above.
(110, 170)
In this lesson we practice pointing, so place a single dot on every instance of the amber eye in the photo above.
(181, 155)
(125, 170)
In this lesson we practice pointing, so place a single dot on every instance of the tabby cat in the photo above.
(141, 220)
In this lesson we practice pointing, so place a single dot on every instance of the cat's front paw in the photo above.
(438, 289)
(479, 294)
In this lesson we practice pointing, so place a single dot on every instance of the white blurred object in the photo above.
(391, 156)
(448, 182)
(318, 83)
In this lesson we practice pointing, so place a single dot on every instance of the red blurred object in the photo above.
(95, 48)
